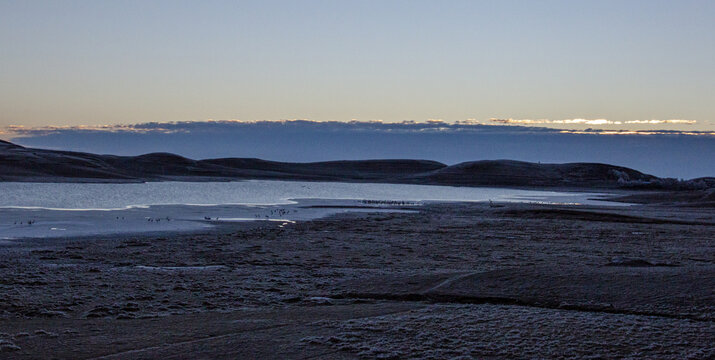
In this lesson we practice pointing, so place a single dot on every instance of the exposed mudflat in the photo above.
(449, 281)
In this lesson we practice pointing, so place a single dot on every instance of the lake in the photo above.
(38, 210)
(84, 196)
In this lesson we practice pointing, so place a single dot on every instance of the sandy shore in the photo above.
(450, 281)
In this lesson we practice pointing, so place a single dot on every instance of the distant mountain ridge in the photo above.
(18, 163)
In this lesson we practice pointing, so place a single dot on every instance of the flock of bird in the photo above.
(279, 212)
(28, 222)
(389, 202)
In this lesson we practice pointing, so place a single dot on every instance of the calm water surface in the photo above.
(255, 192)
(46, 210)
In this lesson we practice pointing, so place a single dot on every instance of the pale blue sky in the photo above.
(107, 62)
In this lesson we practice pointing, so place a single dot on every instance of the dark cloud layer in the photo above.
(662, 153)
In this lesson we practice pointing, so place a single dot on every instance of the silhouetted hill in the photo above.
(26, 164)
(519, 173)
(18, 163)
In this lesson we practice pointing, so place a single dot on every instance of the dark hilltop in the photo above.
(18, 163)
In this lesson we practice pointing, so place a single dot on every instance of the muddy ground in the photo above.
(451, 281)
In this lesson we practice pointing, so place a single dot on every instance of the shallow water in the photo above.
(82, 196)
(44, 210)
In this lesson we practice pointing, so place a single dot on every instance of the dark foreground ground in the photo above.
(452, 281)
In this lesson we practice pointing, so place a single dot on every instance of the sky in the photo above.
(625, 65)
(627, 82)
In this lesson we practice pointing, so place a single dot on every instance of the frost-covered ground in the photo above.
(500, 331)
(525, 281)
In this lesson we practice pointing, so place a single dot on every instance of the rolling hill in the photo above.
(18, 163)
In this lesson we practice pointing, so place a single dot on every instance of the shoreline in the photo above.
(190, 179)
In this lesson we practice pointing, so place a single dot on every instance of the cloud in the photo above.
(211, 126)
(590, 121)
(671, 121)
(547, 121)
(20, 130)
(638, 132)
(494, 125)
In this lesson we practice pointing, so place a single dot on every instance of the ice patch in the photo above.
(255, 219)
